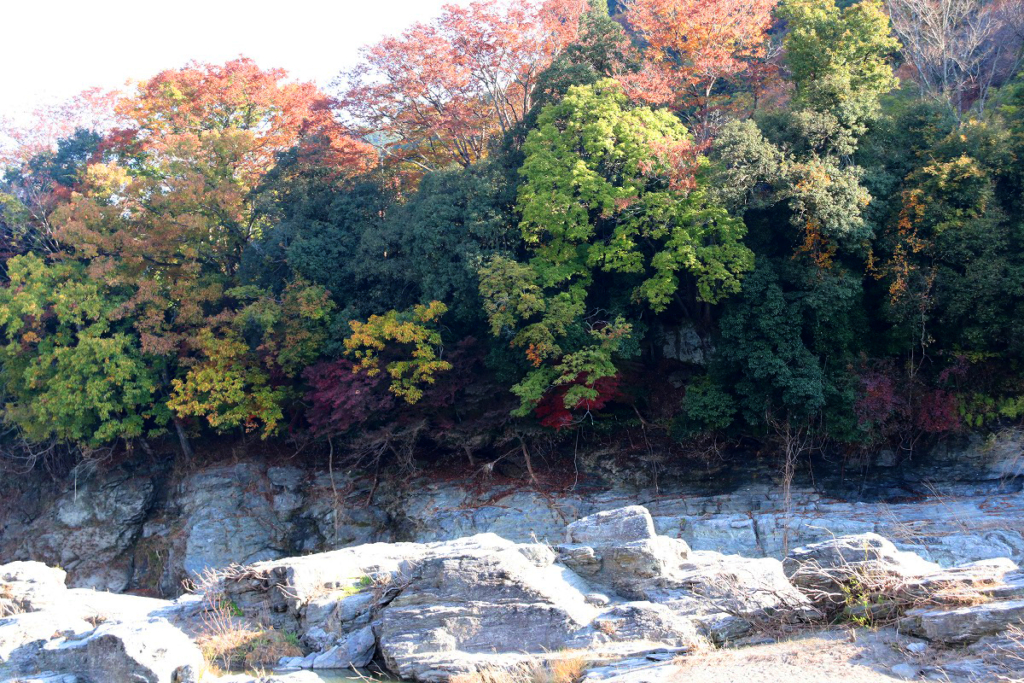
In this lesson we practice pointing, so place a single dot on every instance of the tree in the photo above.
(172, 213)
(607, 190)
(782, 356)
(692, 45)
(601, 50)
(437, 239)
(787, 342)
(93, 109)
(838, 58)
(70, 370)
(411, 328)
(249, 114)
(441, 92)
(953, 45)
(804, 157)
(32, 191)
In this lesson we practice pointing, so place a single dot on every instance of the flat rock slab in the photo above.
(613, 527)
(964, 624)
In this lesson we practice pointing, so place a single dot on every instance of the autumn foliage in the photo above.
(712, 221)
(259, 113)
(443, 91)
(692, 45)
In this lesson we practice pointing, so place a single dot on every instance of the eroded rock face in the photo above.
(616, 591)
(455, 608)
(89, 529)
(142, 526)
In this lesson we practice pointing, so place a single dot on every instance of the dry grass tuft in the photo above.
(9, 606)
(212, 581)
(1006, 654)
(871, 594)
(567, 669)
(230, 642)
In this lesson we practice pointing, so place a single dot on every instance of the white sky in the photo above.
(53, 49)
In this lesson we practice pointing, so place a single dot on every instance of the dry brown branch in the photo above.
(952, 46)
(868, 593)
(767, 610)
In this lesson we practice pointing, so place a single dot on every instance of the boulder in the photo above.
(823, 570)
(612, 527)
(30, 586)
(632, 569)
(353, 649)
(32, 573)
(581, 559)
(455, 611)
(143, 652)
(336, 590)
(997, 578)
(621, 550)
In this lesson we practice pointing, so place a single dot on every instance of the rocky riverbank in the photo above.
(611, 601)
(145, 526)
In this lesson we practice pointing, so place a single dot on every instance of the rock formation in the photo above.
(614, 592)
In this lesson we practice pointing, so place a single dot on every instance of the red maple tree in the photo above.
(441, 91)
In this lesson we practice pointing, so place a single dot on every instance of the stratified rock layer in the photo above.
(615, 591)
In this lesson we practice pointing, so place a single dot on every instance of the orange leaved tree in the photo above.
(440, 92)
(691, 45)
(170, 212)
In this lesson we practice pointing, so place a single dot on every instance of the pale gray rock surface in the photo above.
(30, 586)
(612, 527)
(628, 596)
(454, 609)
(964, 625)
(89, 636)
(35, 628)
(142, 652)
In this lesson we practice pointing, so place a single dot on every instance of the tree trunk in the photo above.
(186, 447)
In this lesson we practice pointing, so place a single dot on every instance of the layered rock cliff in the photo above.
(149, 527)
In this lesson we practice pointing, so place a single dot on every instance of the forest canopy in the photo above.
(713, 219)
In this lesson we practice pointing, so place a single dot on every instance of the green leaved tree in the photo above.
(616, 219)
(70, 370)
